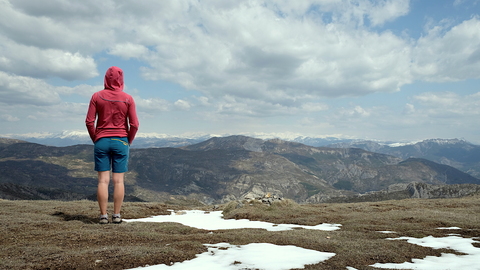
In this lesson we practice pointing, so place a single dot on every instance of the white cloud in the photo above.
(449, 54)
(203, 101)
(248, 50)
(84, 26)
(84, 90)
(356, 111)
(150, 105)
(182, 105)
(250, 60)
(37, 44)
(448, 104)
(55, 117)
(129, 50)
(64, 112)
(385, 11)
(314, 107)
(409, 109)
(42, 63)
(9, 118)
(26, 90)
(229, 106)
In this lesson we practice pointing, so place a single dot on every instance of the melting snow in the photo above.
(214, 221)
(251, 256)
(471, 261)
(272, 257)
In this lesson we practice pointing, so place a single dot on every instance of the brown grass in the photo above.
(65, 235)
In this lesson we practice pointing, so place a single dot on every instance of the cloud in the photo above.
(25, 90)
(182, 105)
(44, 63)
(245, 60)
(129, 50)
(449, 54)
(60, 116)
(448, 105)
(203, 101)
(246, 49)
(84, 26)
(83, 90)
(63, 112)
(252, 47)
(384, 11)
(409, 109)
(314, 107)
(41, 46)
(354, 113)
(364, 13)
(229, 106)
(152, 105)
(9, 118)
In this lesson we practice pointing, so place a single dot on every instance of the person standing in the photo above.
(112, 124)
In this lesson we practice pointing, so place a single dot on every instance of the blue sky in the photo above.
(387, 70)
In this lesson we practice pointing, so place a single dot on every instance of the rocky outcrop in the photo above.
(413, 190)
(426, 191)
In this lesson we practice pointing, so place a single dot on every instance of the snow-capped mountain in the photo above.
(145, 140)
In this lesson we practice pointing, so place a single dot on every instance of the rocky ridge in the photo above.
(225, 169)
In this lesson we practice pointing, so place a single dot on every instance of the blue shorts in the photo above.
(111, 153)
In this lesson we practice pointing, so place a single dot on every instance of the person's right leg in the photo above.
(120, 152)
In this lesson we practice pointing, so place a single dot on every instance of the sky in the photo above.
(267, 256)
(395, 70)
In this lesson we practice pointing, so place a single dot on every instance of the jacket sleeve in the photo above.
(90, 119)
(132, 121)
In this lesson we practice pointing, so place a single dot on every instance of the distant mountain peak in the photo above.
(446, 141)
(234, 142)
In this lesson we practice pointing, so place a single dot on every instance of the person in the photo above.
(114, 131)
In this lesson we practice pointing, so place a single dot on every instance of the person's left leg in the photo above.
(103, 167)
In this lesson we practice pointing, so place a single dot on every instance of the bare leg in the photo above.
(102, 191)
(118, 191)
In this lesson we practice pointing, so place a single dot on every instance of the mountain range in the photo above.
(149, 140)
(453, 152)
(222, 169)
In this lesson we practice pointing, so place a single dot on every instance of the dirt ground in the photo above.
(66, 235)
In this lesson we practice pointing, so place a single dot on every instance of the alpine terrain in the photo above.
(223, 169)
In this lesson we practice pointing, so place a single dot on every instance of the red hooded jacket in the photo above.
(113, 109)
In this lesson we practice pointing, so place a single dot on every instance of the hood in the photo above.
(114, 79)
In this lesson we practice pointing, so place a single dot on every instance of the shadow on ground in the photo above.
(82, 218)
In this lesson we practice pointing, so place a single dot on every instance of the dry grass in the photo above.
(65, 235)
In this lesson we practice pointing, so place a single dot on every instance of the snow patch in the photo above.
(252, 256)
(444, 262)
(214, 221)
